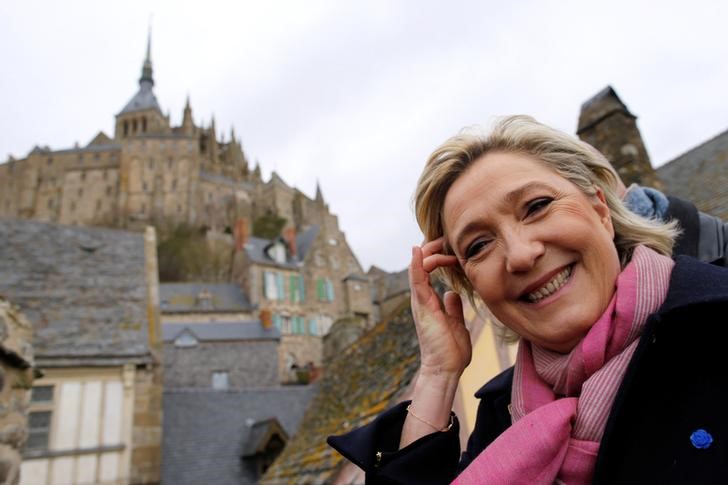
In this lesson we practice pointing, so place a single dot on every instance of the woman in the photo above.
(619, 376)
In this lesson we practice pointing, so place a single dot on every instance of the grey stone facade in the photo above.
(16, 378)
(248, 364)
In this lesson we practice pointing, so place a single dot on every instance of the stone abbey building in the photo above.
(151, 172)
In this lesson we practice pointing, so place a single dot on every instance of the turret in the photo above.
(607, 125)
(188, 126)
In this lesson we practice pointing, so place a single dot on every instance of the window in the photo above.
(299, 327)
(185, 340)
(270, 285)
(295, 285)
(312, 327)
(126, 128)
(220, 380)
(324, 289)
(39, 417)
(144, 124)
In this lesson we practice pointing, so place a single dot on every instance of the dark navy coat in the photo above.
(669, 419)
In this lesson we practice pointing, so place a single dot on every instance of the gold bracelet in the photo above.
(409, 410)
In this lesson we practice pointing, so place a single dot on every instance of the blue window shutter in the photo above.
(329, 290)
(312, 326)
(299, 325)
(279, 284)
(277, 321)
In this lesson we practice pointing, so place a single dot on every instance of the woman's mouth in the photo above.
(551, 287)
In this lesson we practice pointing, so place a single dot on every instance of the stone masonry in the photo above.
(249, 364)
(16, 379)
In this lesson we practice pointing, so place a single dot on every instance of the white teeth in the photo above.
(550, 287)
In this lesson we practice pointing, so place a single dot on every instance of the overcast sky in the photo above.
(357, 94)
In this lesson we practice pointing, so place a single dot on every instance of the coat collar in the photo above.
(694, 282)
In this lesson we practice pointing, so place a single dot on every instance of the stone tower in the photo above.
(607, 124)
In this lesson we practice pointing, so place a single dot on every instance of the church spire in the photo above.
(147, 67)
(319, 194)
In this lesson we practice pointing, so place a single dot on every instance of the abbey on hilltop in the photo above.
(301, 278)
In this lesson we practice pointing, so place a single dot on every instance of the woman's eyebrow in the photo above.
(517, 194)
(509, 199)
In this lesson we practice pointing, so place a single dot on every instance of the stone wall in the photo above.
(16, 379)
(146, 452)
(249, 364)
(299, 350)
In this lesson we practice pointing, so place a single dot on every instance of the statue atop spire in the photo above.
(147, 66)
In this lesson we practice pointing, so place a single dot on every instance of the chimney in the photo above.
(152, 280)
(289, 234)
(241, 232)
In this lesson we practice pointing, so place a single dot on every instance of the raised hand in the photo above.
(444, 339)
(445, 348)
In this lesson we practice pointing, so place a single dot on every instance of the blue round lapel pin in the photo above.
(701, 439)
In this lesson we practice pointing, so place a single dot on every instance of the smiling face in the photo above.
(535, 248)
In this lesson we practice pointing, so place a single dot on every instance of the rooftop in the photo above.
(203, 298)
(83, 289)
(701, 176)
(207, 432)
(386, 360)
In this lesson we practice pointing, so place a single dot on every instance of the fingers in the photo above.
(434, 257)
(422, 292)
(454, 307)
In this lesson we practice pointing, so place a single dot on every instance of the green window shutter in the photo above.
(320, 291)
(279, 285)
(299, 325)
(293, 288)
(302, 288)
(312, 326)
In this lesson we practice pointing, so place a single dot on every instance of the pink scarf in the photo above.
(560, 403)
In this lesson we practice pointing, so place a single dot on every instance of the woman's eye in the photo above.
(475, 248)
(537, 204)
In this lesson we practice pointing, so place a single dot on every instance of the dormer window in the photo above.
(204, 300)
(277, 252)
(186, 339)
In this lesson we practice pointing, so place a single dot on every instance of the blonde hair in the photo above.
(571, 158)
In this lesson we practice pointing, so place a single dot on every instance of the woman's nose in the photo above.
(522, 252)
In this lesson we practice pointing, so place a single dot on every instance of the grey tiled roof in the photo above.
(701, 176)
(251, 330)
(213, 177)
(255, 249)
(143, 99)
(182, 298)
(206, 432)
(83, 288)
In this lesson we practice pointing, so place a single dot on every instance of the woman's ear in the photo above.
(599, 202)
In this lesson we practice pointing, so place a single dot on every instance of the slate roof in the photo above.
(368, 377)
(255, 249)
(143, 99)
(83, 289)
(206, 432)
(183, 298)
(701, 176)
(205, 332)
